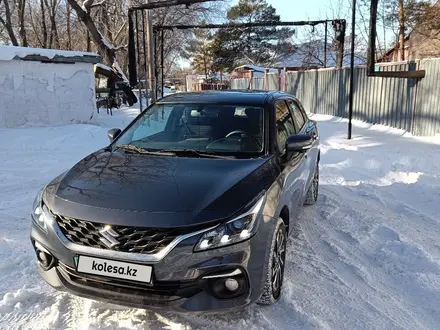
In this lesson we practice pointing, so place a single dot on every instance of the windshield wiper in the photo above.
(140, 150)
(194, 153)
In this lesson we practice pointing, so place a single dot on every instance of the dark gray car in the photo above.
(188, 208)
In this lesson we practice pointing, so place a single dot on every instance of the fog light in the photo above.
(231, 284)
(45, 259)
(226, 284)
(42, 258)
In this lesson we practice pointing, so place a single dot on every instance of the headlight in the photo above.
(236, 230)
(40, 213)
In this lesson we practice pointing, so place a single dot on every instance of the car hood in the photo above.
(122, 188)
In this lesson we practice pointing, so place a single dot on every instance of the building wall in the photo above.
(422, 45)
(36, 93)
(419, 46)
(423, 42)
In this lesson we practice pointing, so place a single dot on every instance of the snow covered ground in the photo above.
(367, 256)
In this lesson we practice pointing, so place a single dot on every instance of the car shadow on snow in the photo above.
(278, 316)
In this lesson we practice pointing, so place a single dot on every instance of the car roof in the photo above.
(254, 97)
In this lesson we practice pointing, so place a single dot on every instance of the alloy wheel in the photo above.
(279, 255)
(316, 183)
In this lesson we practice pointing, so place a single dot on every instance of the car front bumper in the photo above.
(182, 280)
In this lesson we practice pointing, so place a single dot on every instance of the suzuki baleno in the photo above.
(188, 208)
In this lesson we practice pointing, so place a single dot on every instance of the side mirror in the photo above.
(113, 134)
(299, 143)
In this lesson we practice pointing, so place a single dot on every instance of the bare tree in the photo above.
(43, 23)
(52, 6)
(21, 18)
(107, 50)
(96, 26)
(7, 22)
(401, 30)
(69, 33)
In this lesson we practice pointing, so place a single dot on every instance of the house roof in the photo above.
(407, 37)
(311, 54)
(258, 70)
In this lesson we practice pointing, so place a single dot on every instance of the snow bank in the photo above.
(8, 53)
(35, 93)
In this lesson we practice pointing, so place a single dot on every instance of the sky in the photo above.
(305, 10)
(309, 10)
(298, 10)
(302, 10)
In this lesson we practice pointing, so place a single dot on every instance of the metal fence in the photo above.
(409, 104)
(242, 83)
(427, 100)
(258, 83)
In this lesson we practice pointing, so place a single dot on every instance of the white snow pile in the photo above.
(367, 256)
(8, 53)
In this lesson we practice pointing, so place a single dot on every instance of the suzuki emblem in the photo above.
(109, 237)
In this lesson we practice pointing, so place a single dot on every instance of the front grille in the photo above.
(131, 239)
(164, 289)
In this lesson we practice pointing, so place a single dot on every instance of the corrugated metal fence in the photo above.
(427, 104)
(409, 104)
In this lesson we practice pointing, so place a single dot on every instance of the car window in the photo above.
(204, 127)
(303, 112)
(284, 124)
(153, 124)
(298, 115)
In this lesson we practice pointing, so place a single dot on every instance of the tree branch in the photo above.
(8, 23)
(120, 47)
(86, 5)
(120, 31)
(96, 4)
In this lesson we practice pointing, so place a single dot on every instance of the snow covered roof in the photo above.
(8, 53)
(258, 70)
(254, 68)
(311, 54)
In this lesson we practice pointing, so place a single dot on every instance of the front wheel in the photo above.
(312, 193)
(276, 262)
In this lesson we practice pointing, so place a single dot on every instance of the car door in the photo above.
(293, 165)
(304, 125)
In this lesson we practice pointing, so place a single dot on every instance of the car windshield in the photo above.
(205, 128)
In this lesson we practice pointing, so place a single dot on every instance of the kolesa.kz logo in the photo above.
(103, 267)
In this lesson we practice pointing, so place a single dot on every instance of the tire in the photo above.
(312, 193)
(277, 259)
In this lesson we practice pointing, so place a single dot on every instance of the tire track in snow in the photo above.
(344, 255)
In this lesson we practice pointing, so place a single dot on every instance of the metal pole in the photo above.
(132, 69)
(353, 31)
(325, 44)
(240, 25)
(371, 58)
(138, 61)
(156, 60)
(279, 79)
(145, 58)
(162, 61)
(150, 41)
(170, 3)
